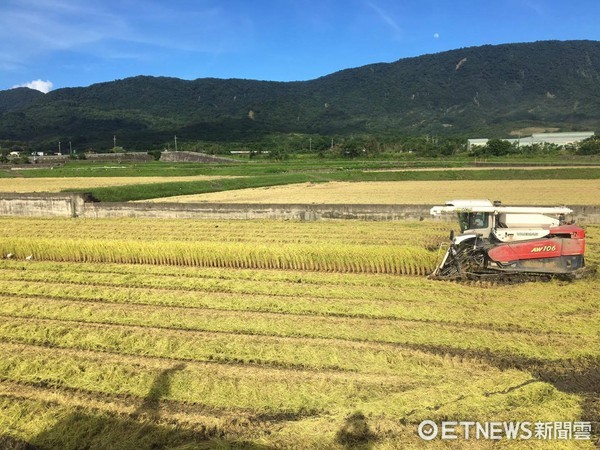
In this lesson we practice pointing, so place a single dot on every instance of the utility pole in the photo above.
(114, 142)
(59, 147)
(310, 145)
(70, 148)
(175, 142)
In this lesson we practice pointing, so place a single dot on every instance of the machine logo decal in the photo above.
(545, 248)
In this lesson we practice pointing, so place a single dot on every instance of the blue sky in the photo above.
(49, 44)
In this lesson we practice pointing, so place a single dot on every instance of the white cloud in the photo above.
(38, 85)
(436, 35)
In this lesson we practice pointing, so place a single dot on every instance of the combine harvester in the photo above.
(510, 243)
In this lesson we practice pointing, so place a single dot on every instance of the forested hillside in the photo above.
(485, 91)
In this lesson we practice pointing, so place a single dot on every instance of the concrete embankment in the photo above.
(75, 205)
(42, 205)
(257, 211)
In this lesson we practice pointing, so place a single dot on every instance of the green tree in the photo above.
(589, 146)
(155, 154)
(353, 147)
(279, 154)
(497, 147)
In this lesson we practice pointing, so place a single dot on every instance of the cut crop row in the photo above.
(452, 337)
(572, 307)
(231, 348)
(213, 385)
(175, 275)
(456, 307)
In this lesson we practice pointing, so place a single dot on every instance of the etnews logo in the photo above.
(429, 430)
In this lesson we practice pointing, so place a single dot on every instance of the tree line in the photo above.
(281, 147)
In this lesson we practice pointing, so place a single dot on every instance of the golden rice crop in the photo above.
(427, 233)
(400, 260)
(538, 192)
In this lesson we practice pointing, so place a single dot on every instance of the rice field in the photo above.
(515, 192)
(24, 185)
(426, 234)
(188, 334)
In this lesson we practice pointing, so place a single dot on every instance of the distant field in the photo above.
(538, 192)
(441, 169)
(279, 175)
(198, 348)
(74, 183)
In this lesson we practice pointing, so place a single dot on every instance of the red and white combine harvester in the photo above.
(497, 241)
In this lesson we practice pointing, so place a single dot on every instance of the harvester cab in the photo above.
(498, 240)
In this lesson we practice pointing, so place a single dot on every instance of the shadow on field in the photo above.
(11, 443)
(572, 376)
(140, 430)
(355, 433)
(161, 387)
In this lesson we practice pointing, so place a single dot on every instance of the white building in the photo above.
(556, 138)
(476, 143)
(539, 138)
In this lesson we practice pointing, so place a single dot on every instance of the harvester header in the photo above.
(495, 208)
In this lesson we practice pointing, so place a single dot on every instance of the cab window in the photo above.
(473, 221)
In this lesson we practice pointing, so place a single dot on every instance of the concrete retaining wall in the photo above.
(193, 157)
(73, 205)
(105, 157)
(256, 211)
(586, 213)
(111, 157)
(41, 205)
(135, 156)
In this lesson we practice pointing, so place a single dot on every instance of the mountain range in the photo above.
(485, 91)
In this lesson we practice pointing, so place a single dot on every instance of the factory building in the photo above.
(540, 138)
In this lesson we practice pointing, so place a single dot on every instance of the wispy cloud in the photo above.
(110, 29)
(387, 18)
(38, 85)
(209, 29)
(45, 26)
(534, 6)
(527, 7)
